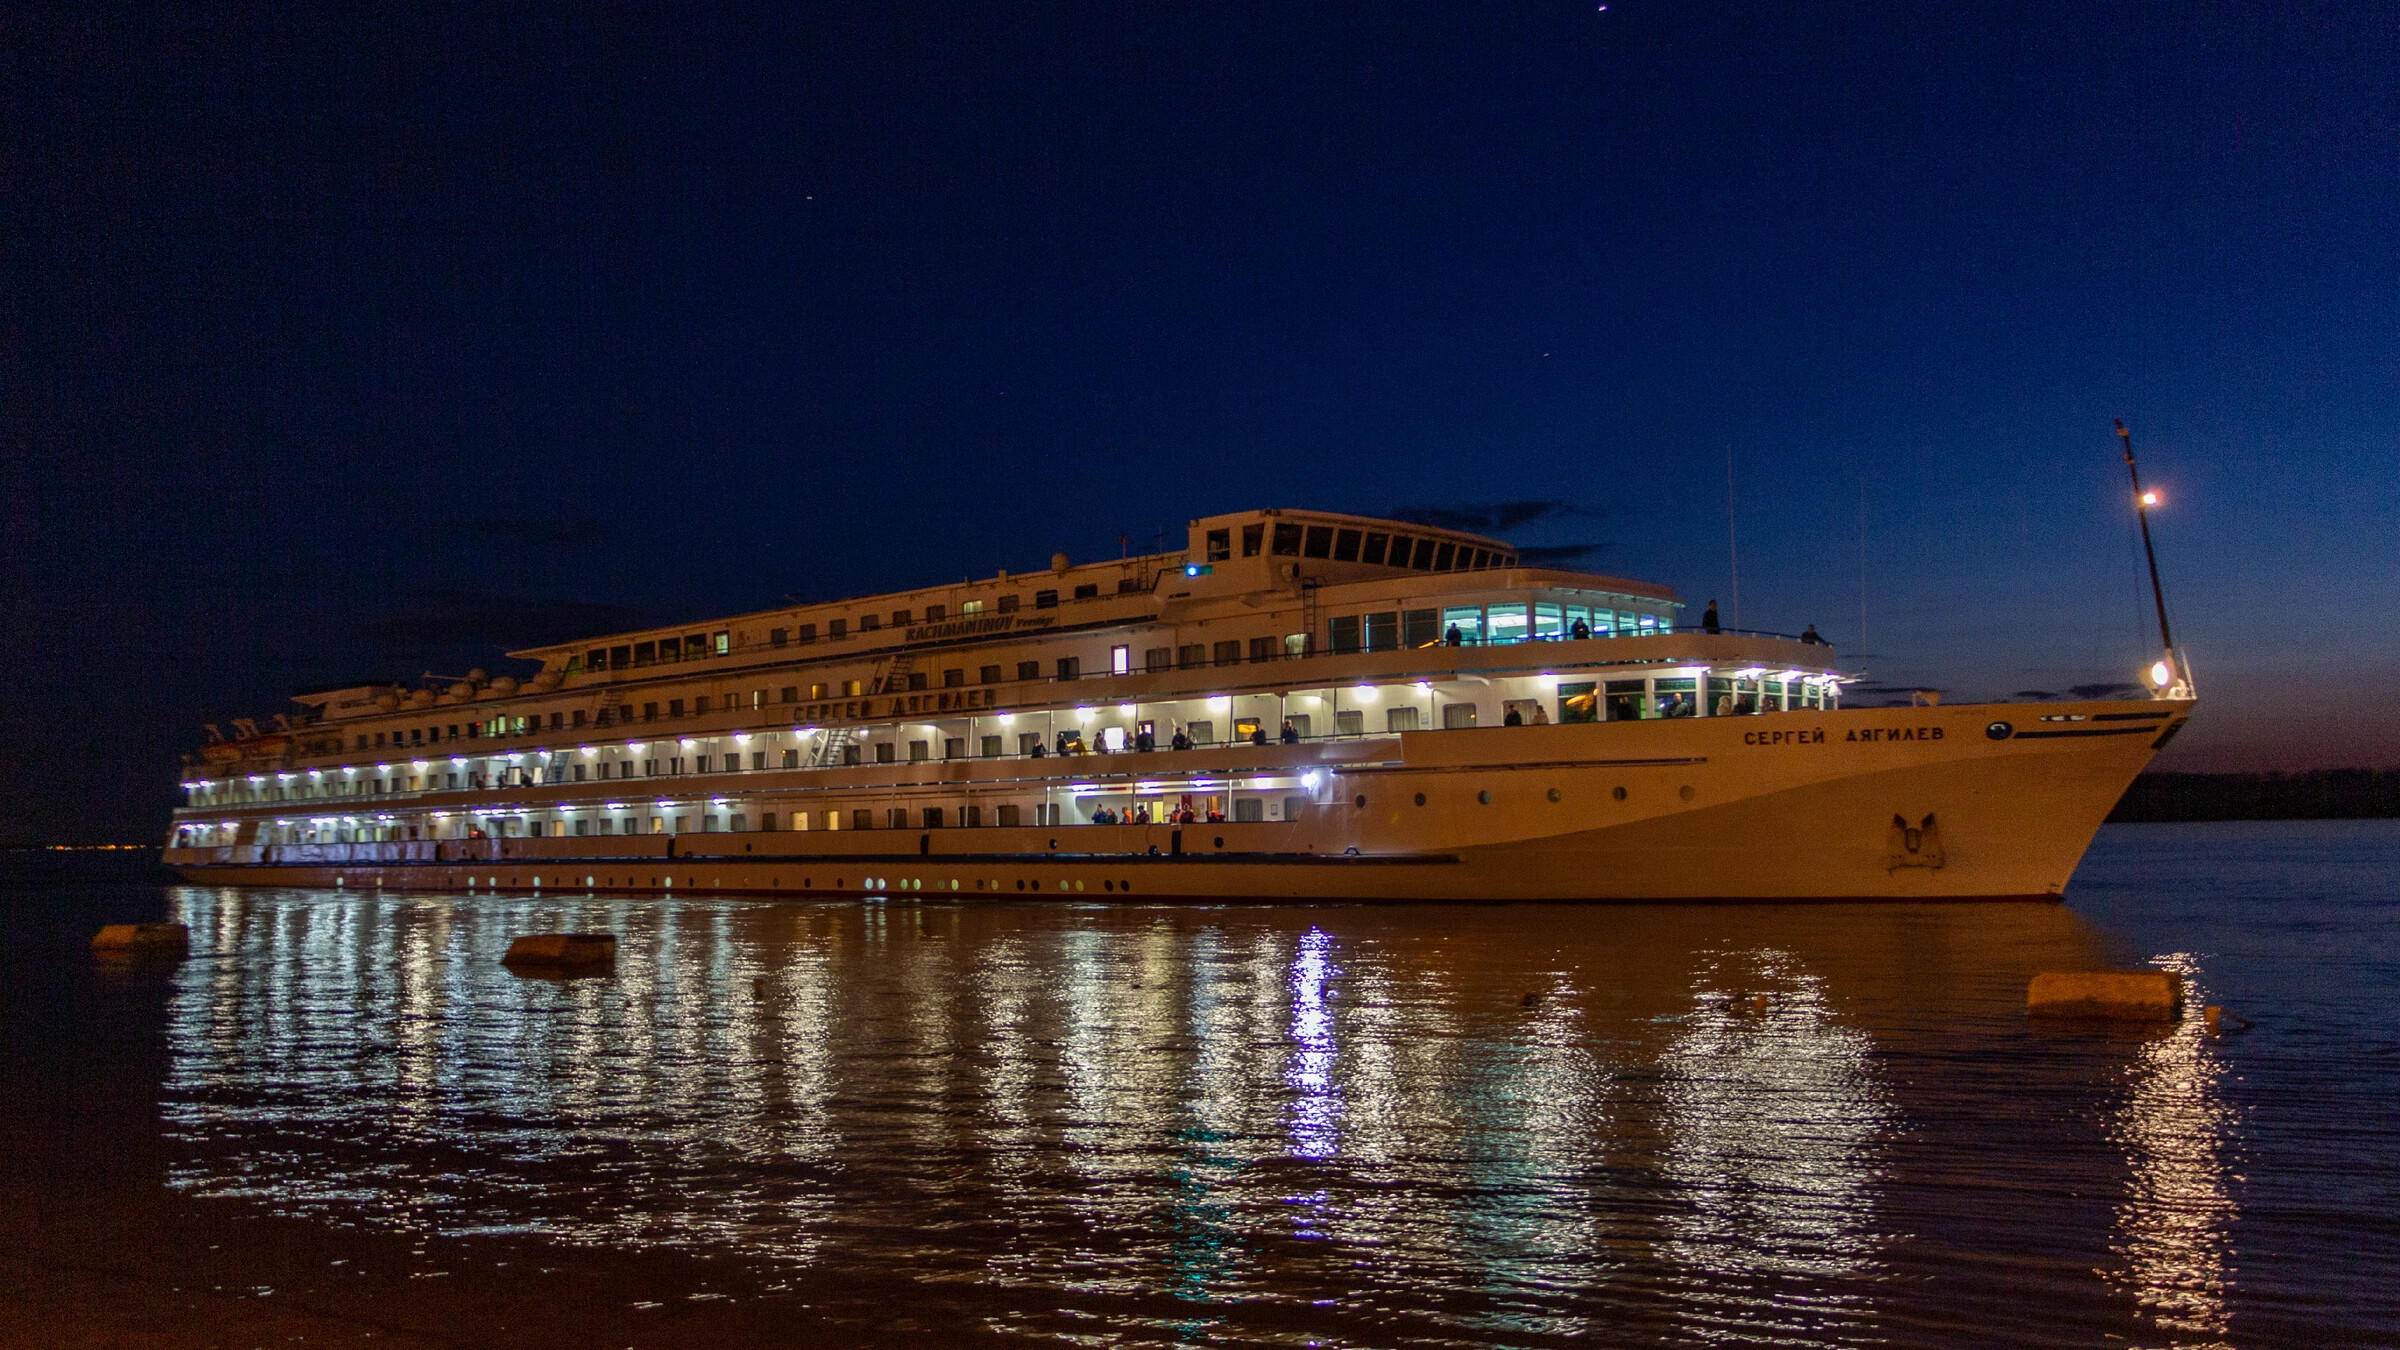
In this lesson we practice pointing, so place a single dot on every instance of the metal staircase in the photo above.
(891, 676)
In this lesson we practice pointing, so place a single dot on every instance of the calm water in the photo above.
(1406, 1126)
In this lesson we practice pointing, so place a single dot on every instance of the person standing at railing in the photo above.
(1708, 621)
(1454, 638)
(1580, 631)
(1810, 637)
(1291, 734)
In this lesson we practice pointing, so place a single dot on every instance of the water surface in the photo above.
(1523, 1125)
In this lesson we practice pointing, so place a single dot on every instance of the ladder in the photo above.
(1309, 616)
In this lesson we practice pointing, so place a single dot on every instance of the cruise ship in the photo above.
(1298, 705)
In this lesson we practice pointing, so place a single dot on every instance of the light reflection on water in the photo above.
(1425, 1125)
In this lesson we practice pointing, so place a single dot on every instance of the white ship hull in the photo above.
(1906, 804)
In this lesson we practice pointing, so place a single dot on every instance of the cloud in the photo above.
(1547, 555)
(1491, 517)
(541, 533)
(438, 617)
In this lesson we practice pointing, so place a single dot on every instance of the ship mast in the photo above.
(2141, 508)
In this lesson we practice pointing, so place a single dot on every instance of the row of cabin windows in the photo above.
(626, 656)
(1376, 548)
(1480, 625)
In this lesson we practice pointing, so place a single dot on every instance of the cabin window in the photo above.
(1458, 716)
(1373, 549)
(775, 637)
(1252, 537)
(868, 623)
(1343, 630)
(1287, 540)
(596, 659)
(1202, 733)
(1008, 604)
(1427, 551)
(1467, 619)
(1191, 656)
(1229, 652)
(1158, 658)
(1090, 591)
(1383, 631)
(952, 679)
(916, 679)
(1262, 649)
(644, 653)
(808, 632)
(1507, 623)
(937, 613)
(1345, 546)
(837, 628)
(1070, 667)
(1549, 621)
(1320, 541)
(1029, 670)
(1045, 599)
(1443, 555)
(1399, 719)
(990, 747)
(722, 642)
(1578, 702)
(919, 751)
(899, 618)
(1220, 545)
(1349, 722)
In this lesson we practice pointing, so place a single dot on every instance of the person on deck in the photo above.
(1812, 639)
(1454, 638)
(1258, 735)
(1514, 719)
(1291, 734)
(1708, 621)
(1580, 631)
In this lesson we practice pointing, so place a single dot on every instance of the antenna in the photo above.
(1862, 563)
(1733, 545)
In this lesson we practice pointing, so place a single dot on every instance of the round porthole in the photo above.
(1619, 794)
(1220, 841)
(1361, 800)
(1554, 794)
(2000, 731)
(1684, 792)
(1420, 799)
(1108, 885)
(1484, 798)
(1124, 885)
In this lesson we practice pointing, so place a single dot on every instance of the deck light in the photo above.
(1126, 709)
(1220, 704)
(1083, 714)
(1424, 686)
(1008, 719)
(2150, 498)
(1310, 780)
(1365, 693)
(2160, 674)
(686, 741)
(742, 736)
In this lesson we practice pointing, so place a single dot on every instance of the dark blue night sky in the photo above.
(338, 346)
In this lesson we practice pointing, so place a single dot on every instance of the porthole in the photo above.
(1420, 799)
(1220, 841)
(1020, 883)
(1484, 798)
(1108, 885)
(1079, 885)
(1124, 885)
(1684, 792)
(1361, 800)
(1554, 794)
(1619, 794)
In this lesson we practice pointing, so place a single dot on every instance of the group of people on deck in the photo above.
(1140, 814)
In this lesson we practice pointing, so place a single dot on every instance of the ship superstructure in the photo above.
(1298, 704)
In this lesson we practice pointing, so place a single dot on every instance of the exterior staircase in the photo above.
(890, 677)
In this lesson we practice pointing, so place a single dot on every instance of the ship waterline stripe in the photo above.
(2086, 731)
